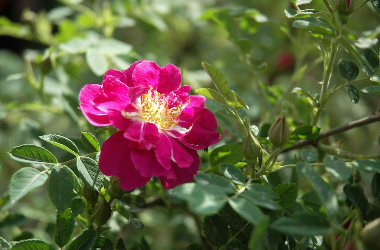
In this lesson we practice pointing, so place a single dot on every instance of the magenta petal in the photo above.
(170, 79)
(144, 134)
(196, 101)
(146, 163)
(118, 120)
(115, 159)
(180, 155)
(163, 151)
(93, 115)
(127, 74)
(203, 132)
(183, 175)
(113, 72)
(147, 74)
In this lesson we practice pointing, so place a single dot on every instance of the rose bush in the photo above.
(160, 125)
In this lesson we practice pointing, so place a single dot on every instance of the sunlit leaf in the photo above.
(32, 154)
(61, 142)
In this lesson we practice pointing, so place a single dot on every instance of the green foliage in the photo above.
(90, 173)
(353, 93)
(84, 241)
(90, 141)
(32, 154)
(61, 142)
(32, 244)
(216, 230)
(348, 70)
(61, 187)
(64, 227)
(287, 192)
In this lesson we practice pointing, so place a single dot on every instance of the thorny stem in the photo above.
(358, 123)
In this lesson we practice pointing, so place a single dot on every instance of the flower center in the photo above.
(160, 109)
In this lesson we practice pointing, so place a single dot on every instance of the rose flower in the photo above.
(160, 125)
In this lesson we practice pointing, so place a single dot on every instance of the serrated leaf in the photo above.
(229, 153)
(353, 93)
(373, 89)
(260, 199)
(61, 142)
(264, 190)
(234, 100)
(215, 181)
(32, 154)
(217, 77)
(355, 194)
(233, 173)
(307, 132)
(90, 173)
(97, 61)
(348, 70)
(368, 165)
(324, 192)
(24, 181)
(212, 94)
(234, 221)
(77, 205)
(372, 61)
(64, 227)
(85, 241)
(337, 168)
(287, 192)
(375, 185)
(309, 155)
(61, 187)
(303, 224)
(12, 220)
(90, 141)
(246, 209)
(314, 25)
(216, 230)
(103, 243)
(32, 245)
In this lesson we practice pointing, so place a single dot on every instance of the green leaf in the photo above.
(212, 94)
(32, 245)
(216, 230)
(97, 61)
(288, 194)
(353, 93)
(373, 89)
(337, 168)
(90, 141)
(232, 173)
(113, 47)
(260, 199)
(195, 247)
(234, 221)
(376, 5)
(372, 61)
(85, 241)
(217, 77)
(77, 205)
(355, 194)
(120, 244)
(311, 201)
(12, 220)
(244, 45)
(24, 181)
(90, 173)
(368, 165)
(229, 24)
(103, 243)
(314, 25)
(32, 154)
(348, 70)
(264, 190)
(303, 224)
(64, 227)
(4, 244)
(61, 142)
(229, 153)
(292, 13)
(307, 132)
(258, 234)
(325, 194)
(375, 185)
(216, 181)
(202, 200)
(234, 100)
(309, 155)
(246, 209)
(61, 187)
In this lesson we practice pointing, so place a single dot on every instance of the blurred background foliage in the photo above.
(50, 49)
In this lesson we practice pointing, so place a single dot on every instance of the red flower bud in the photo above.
(279, 132)
(345, 8)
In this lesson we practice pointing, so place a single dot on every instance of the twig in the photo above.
(348, 126)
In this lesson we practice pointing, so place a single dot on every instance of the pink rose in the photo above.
(160, 125)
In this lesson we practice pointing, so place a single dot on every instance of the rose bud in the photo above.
(90, 195)
(279, 132)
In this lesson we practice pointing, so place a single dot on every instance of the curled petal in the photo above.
(117, 161)
(147, 74)
(182, 175)
(93, 115)
(170, 79)
(127, 74)
(203, 132)
(144, 135)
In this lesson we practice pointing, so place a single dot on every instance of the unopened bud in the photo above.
(371, 235)
(251, 149)
(114, 189)
(90, 194)
(345, 8)
(102, 212)
(279, 132)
